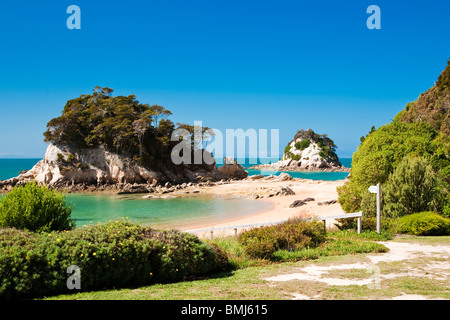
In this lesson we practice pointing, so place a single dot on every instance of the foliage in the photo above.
(35, 208)
(420, 130)
(120, 124)
(293, 234)
(302, 145)
(115, 254)
(412, 187)
(425, 224)
(326, 145)
(383, 150)
(432, 105)
(185, 255)
(372, 129)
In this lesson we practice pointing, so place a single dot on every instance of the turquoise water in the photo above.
(328, 176)
(176, 213)
(10, 168)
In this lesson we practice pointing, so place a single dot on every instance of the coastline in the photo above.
(253, 188)
(291, 168)
(320, 191)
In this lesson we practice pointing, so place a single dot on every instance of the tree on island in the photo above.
(119, 124)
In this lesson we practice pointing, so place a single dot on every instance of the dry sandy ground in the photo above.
(437, 268)
(279, 204)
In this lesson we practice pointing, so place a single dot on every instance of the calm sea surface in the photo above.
(176, 213)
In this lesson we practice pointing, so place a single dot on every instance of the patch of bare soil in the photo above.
(431, 261)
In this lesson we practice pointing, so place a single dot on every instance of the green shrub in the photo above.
(383, 150)
(184, 255)
(302, 145)
(35, 208)
(412, 187)
(70, 158)
(425, 224)
(294, 234)
(115, 254)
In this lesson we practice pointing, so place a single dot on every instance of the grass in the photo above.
(338, 243)
(245, 280)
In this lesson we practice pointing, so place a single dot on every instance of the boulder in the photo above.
(297, 203)
(327, 203)
(231, 169)
(283, 177)
(286, 191)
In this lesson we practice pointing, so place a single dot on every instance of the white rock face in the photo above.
(95, 166)
(63, 166)
(309, 157)
(308, 160)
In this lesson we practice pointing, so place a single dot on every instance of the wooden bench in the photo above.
(357, 215)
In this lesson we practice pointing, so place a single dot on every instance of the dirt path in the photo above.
(377, 271)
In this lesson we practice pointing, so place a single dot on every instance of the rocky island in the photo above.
(101, 142)
(308, 151)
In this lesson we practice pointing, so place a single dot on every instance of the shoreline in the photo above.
(274, 167)
(266, 189)
(320, 190)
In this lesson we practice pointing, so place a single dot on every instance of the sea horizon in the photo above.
(11, 167)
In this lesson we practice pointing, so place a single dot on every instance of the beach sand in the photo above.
(279, 204)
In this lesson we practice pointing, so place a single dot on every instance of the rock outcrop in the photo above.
(65, 167)
(231, 168)
(308, 151)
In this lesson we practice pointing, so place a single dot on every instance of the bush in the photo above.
(35, 208)
(295, 234)
(383, 150)
(184, 255)
(302, 145)
(115, 254)
(425, 224)
(412, 187)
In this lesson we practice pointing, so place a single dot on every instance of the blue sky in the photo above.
(232, 64)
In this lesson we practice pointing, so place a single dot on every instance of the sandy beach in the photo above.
(279, 210)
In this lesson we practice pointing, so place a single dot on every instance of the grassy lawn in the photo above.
(247, 280)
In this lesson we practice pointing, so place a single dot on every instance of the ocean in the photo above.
(169, 213)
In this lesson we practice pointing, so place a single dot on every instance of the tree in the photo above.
(120, 124)
(140, 127)
(412, 187)
(382, 151)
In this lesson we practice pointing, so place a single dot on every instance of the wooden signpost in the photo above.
(377, 189)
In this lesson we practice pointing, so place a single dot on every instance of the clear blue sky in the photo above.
(231, 64)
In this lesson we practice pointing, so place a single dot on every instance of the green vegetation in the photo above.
(292, 235)
(431, 106)
(35, 208)
(424, 224)
(248, 282)
(326, 145)
(302, 145)
(412, 187)
(409, 157)
(384, 149)
(119, 124)
(115, 254)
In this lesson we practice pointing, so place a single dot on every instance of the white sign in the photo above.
(373, 189)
